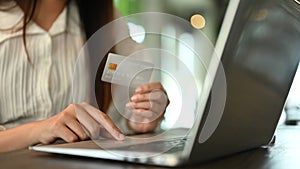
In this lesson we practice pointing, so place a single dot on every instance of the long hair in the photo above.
(28, 14)
(95, 14)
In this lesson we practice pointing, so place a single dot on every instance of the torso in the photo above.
(30, 92)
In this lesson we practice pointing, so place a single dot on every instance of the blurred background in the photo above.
(209, 16)
(203, 15)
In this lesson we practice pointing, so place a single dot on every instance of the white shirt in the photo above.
(31, 92)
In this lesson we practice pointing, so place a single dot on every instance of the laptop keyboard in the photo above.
(170, 146)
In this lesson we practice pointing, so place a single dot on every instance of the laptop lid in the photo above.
(259, 62)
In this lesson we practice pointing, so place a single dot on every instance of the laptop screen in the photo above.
(260, 63)
(259, 60)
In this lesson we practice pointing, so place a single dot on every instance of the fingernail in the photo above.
(138, 90)
(133, 98)
(127, 105)
(121, 136)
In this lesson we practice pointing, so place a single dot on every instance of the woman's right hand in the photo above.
(76, 122)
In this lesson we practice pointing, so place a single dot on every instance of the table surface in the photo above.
(283, 155)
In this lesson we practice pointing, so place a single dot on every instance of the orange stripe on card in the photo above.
(112, 66)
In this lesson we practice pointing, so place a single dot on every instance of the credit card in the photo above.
(126, 71)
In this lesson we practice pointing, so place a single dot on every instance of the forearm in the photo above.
(18, 137)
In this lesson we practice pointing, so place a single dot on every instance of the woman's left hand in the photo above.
(147, 107)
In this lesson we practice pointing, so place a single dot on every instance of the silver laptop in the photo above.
(259, 44)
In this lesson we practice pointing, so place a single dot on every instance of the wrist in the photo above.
(34, 132)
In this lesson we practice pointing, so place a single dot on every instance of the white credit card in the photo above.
(126, 71)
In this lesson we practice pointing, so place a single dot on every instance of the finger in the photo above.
(157, 108)
(75, 126)
(105, 133)
(85, 130)
(139, 105)
(139, 118)
(142, 107)
(104, 120)
(156, 96)
(147, 114)
(141, 113)
(149, 87)
(88, 122)
(140, 97)
(66, 134)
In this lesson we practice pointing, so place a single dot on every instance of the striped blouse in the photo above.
(30, 92)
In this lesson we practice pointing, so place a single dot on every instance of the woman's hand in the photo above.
(147, 107)
(76, 122)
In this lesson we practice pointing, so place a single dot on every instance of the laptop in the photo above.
(259, 47)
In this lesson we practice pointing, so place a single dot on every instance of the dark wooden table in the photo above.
(285, 154)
